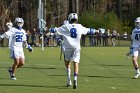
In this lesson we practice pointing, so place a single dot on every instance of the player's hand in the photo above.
(29, 48)
(59, 42)
(52, 30)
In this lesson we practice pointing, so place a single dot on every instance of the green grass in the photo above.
(102, 70)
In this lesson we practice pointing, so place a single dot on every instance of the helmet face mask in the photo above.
(137, 22)
(73, 16)
(19, 22)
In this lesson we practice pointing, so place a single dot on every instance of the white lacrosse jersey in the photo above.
(71, 35)
(16, 38)
(135, 37)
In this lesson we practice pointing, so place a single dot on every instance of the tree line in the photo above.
(118, 14)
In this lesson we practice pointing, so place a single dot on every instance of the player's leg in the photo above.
(68, 71)
(76, 60)
(18, 57)
(12, 69)
(18, 62)
(15, 65)
(67, 56)
(21, 62)
(136, 66)
(135, 63)
(21, 59)
(76, 69)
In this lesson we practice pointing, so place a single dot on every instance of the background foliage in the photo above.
(118, 14)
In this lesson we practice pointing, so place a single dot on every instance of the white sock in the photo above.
(68, 73)
(75, 76)
(138, 71)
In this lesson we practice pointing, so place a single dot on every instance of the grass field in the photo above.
(102, 70)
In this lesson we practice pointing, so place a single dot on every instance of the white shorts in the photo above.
(72, 55)
(135, 51)
(16, 54)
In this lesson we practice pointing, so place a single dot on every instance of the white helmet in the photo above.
(72, 16)
(137, 22)
(19, 22)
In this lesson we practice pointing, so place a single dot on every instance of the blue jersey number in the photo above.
(137, 37)
(73, 32)
(19, 38)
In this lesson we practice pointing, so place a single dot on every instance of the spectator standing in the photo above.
(105, 37)
(99, 38)
(125, 35)
(33, 37)
(91, 42)
(113, 37)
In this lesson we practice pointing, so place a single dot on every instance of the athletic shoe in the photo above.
(74, 84)
(69, 83)
(11, 74)
(137, 75)
(13, 78)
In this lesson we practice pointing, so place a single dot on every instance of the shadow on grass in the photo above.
(34, 67)
(4, 78)
(111, 65)
(34, 86)
(57, 75)
(107, 77)
(38, 68)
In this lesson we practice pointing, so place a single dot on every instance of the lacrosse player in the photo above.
(134, 49)
(71, 34)
(17, 37)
